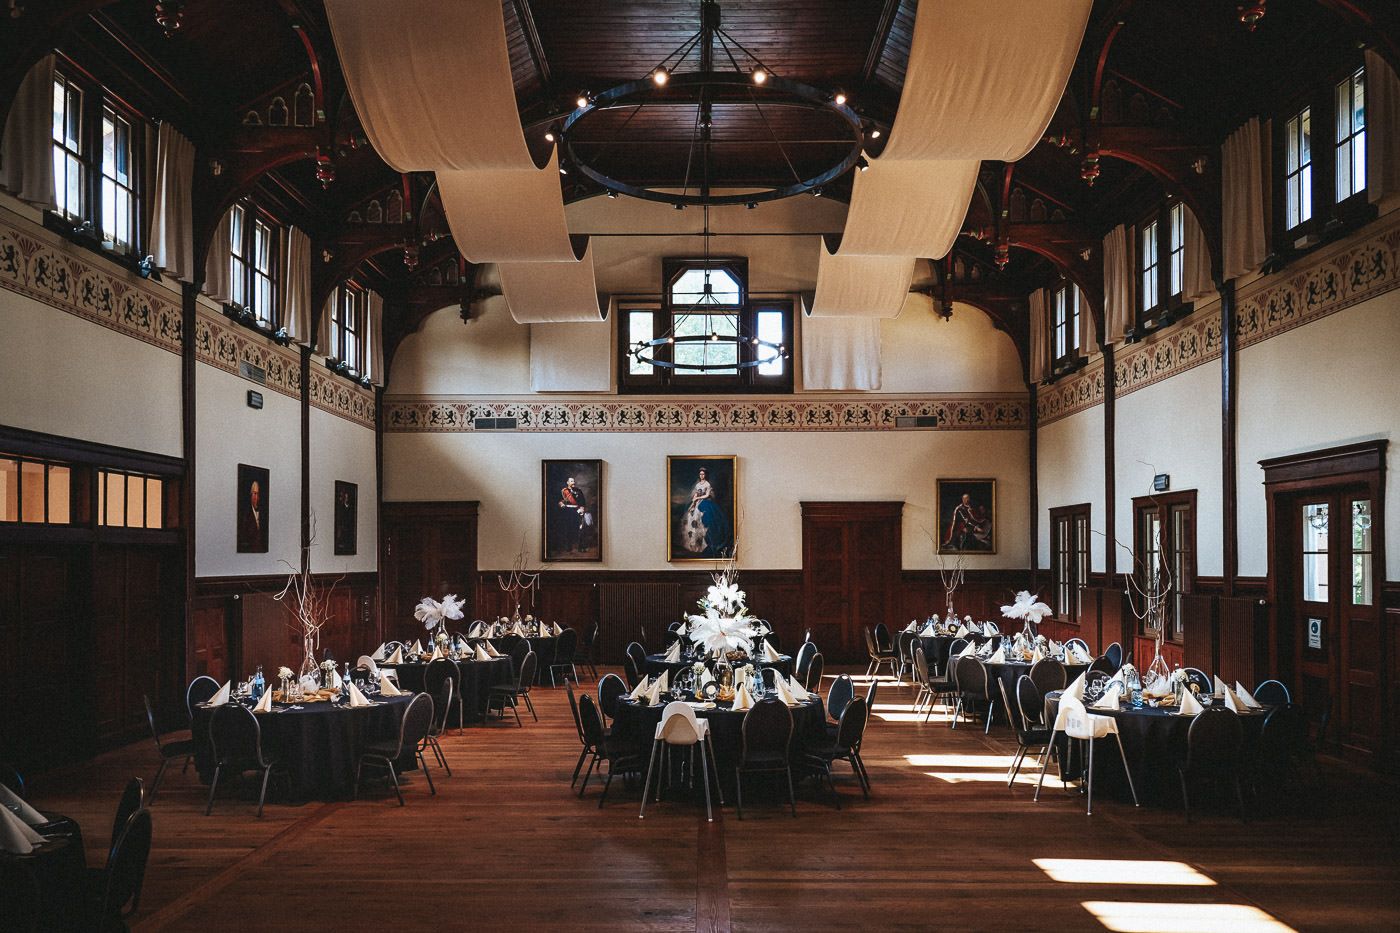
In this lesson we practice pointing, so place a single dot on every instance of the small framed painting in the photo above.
(572, 524)
(701, 495)
(253, 498)
(347, 508)
(967, 513)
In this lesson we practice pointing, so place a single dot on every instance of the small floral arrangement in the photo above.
(441, 637)
(698, 667)
(434, 614)
(284, 673)
(1041, 641)
(328, 665)
(725, 628)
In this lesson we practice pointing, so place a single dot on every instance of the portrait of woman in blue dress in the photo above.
(705, 530)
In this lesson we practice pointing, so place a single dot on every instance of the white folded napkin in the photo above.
(264, 703)
(1220, 689)
(545, 631)
(998, 657)
(962, 632)
(640, 690)
(913, 626)
(742, 699)
(928, 631)
(780, 687)
(989, 629)
(654, 694)
(491, 650)
(417, 646)
(1076, 689)
(15, 835)
(1190, 706)
(557, 629)
(23, 810)
(396, 657)
(1109, 700)
(665, 681)
(769, 653)
(1037, 655)
(970, 650)
(220, 698)
(798, 691)
(1246, 697)
(1232, 702)
(335, 680)
(379, 652)
(437, 654)
(675, 653)
(387, 688)
(479, 655)
(475, 630)
(357, 699)
(706, 677)
(1080, 655)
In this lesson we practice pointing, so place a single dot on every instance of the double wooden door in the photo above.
(427, 549)
(851, 553)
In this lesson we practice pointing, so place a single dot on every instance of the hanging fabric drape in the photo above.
(216, 264)
(322, 345)
(1040, 342)
(435, 93)
(570, 358)
(983, 81)
(1196, 279)
(374, 338)
(1382, 128)
(296, 286)
(1088, 332)
(1117, 284)
(172, 232)
(26, 149)
(841, 354)
(1242, 201)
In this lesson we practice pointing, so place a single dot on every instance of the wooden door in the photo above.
(130, 612)
(428, 549)
(851, 555)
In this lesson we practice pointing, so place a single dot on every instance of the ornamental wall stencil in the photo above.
(221, 343)
(341, 397)
(446, 413)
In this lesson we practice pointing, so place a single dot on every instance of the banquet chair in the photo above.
(973, 691)
(804, 657)
(111, 889)
(767, 736)
(442, 705)
(638, 655)
(840, 693)
(1049, 674)
(168, 751)
(610, 690)
(1280, 749)
(1104, 664)
(1272, 693)
(199, 691)
(235, 736)
(24, 905)
(133, 795)
(955, 647)
(877, 657)
(519, 647)
(1030, 701)
(923, 682)
(1213, 745)
(905, 643)
(1077, 722)
(629, 670)
(882, 638)
(669, 639)
(679, 727)
(565, 647)
(773, 639)
(812, 678)
(1081, 644)
(1029, 734)
(1200, 681)
(620, 757)
(589, 646)
(501, 694)
(845, 746)
(435, 675)
(674, 626)
(1114, 653)
(870, 691)
(413, 730)
(578, 725)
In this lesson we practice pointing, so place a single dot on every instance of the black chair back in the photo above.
(882, 637)
(1272, 693)
(870, 694)
(629, 668)
(870, 646)
(131, 800)
(669, 639)
(840, 694)
(1199, 680)
(1095, 682)
(417, 722)
(436, 674)
(517, 651)
(610, 690)
(812, 680)
(1030, 700)
(804, 657)
(767, 733)
(199, 691)
(573, 707)
(151, 719)
(442, 704)
(594, 733)
(674, 626)
(527, 672)
(565, 647)
(972, 678)
(638, 654)
(1049, 674)
(236, 736)
(773, 639)
(1105, 665)
(591, 638)
(920, 668)
(1283, 737)
(1214, 740)
(851, 728)
(126, 865)
(951, 665)
(1114, 654)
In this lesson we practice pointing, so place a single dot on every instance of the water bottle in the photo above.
(258, 684)
(345, 682)
(1133, 682)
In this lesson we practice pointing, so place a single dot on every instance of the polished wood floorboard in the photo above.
(942, 844)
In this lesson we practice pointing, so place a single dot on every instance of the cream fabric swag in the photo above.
(172, 224)
(1245, 243)
(983, 82)
(1040, 340)
(1196, 279)
(841, 354)
(26, 149)
(435, 94)
(216, 264)
(296, 286)
(1382, 128)
(1117, 284)
(374, 339)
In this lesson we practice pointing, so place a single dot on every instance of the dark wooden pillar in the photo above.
(1110, 481)
(1229, 406)
(305, 458)
(1034, 458)
(189, 295)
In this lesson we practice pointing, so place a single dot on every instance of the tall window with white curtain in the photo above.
(1298, 180)
(1351, 135)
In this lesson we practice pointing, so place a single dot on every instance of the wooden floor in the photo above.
(943, 844)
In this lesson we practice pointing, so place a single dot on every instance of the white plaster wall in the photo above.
(920, 352)
(1183, 440)
(1069, 470)
(228, 433)
(1331, 382)
(342, 450)
(70, 377)
(776, 472)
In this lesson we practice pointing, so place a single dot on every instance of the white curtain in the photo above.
(26, 150)
(1242, 201)
(322, 345)
(374, 334)
(216, 271)
(1196, 280)
(172, 232)
(1040, 342)
(1117, 284)
(1382, 128)
(296, 286)
(1088, 333)
(841, 353)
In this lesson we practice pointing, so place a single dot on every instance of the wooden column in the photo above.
(1110, 482)
(189, 294)
(1034, 460)
(305, 458)
(1229, 405)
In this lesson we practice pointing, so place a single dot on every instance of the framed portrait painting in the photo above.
(572, 525)
(701, 519)
(253, 509)
(347, 507)
(967, 516)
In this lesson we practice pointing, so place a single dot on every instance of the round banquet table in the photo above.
(1008, 672)
(319, 744)
(1154, 741)
(636, 724)
(542, 647)
(656, 663)
(936, 647)
(474, 680)
(59, 868)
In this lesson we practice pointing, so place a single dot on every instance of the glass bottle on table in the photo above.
(258, 684)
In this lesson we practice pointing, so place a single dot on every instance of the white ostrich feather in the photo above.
(1027, 607)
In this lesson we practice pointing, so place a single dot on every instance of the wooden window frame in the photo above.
(1069, 582)
(169, 502)
(349, 316)
(1166, 505)
(244, 272)
(1070, 358)
(1168, 221)
(74, 478)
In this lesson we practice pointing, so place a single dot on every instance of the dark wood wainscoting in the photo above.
(426, 549)
(981, 595)
(851, 561)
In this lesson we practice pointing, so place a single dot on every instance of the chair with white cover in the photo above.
(680, 728)
(1077, 722)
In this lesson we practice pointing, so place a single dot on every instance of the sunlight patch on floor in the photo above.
(962, 761)
(912, 717)
(1121, 871)
(1142, 917)
(987, 777)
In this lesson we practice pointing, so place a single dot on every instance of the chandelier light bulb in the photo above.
(840, 99)
(875, 134)
(582, 101)
(549, 136)
(660, 76)
(759, 75)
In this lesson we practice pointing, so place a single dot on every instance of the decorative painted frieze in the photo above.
(1070, 394)
(413, 414)
(222, 343)
(1168, 353)
(341, 397)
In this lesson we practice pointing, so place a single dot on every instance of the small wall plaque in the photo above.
(1161, 482)
(255, 399)
(1315, 634)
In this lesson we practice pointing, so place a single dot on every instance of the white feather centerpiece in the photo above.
(1027, 608)
(725, 625)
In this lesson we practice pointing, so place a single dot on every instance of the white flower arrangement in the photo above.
(433, 613)
(698, 667)
(284, 673)
(1027, 608)
(328, 665)
(725, 625)
(1179, 676)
